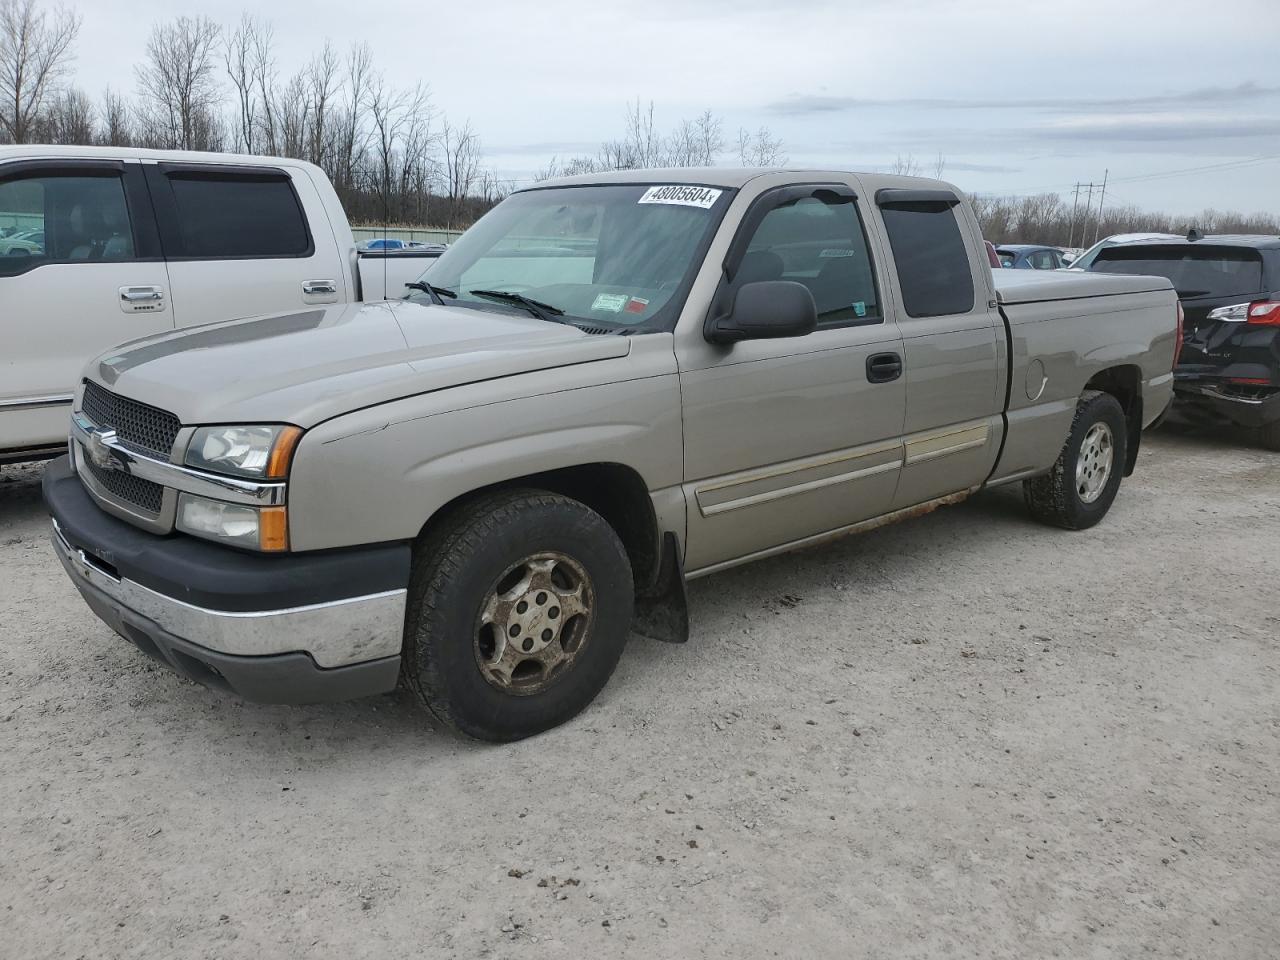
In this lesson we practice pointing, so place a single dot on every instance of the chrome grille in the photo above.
(143, 494)
(144, 428)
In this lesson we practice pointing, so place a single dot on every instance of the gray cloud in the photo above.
(1158, 129)
(800, 104)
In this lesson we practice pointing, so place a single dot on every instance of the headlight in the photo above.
(257, 452)
(257, 528)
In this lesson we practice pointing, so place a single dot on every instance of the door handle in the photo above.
(319, 288)
(142, 299)
(884, 367)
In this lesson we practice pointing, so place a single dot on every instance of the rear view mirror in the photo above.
(765, 310)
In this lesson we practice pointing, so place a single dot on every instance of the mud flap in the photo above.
(1133, 425)
(662, 612)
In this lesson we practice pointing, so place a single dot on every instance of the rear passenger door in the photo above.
(953, 339)
(239, 243)
(89, 276)
(793, 437)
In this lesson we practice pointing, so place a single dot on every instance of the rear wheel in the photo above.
(520, 606)
(1083, 483)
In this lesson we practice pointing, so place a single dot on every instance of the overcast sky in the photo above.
(1016, 99)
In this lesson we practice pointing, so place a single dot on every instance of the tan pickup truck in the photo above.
(607, 386)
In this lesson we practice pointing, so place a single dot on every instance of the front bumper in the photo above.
(300, 628)
(1242, 409)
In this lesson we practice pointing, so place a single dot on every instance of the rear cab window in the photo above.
(235, 215)
(1211, 270)
(934, 272)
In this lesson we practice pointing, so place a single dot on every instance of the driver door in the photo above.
(790, 438)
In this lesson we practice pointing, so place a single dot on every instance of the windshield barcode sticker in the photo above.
(684, 196)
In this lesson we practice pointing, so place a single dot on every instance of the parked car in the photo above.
(1026, 256)
(384, 243)
(485, 488)
(1229, 286)
(1085, 260)
(142, 242)
(23, 244)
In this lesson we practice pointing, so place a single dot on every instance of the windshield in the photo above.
(620, 257)
(1194, 271)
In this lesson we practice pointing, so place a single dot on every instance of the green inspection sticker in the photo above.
(613, 302)
(860, 308)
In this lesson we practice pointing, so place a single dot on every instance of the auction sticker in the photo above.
(613, 302)
(682, 195)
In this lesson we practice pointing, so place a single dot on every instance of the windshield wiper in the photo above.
(543, 311)
(432, 291)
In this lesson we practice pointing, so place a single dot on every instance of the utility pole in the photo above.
(1088, 212)
(1102, 197)
(1075, 202)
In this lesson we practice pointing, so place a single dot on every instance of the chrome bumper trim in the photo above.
(1215, 391)
(172, 475)
(334, 634)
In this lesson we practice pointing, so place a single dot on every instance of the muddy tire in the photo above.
(520, 604)
(1269, 434)
(1083, 483)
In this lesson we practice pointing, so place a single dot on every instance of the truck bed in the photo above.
(383, 273)
(1047, 315)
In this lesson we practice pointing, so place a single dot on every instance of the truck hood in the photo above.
(309, 366)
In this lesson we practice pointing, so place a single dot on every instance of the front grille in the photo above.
(140, 493)
(144, 428)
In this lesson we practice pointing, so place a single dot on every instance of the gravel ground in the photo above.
(964, 736)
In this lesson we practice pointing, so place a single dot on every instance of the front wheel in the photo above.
(1083, 483)
(520, 604)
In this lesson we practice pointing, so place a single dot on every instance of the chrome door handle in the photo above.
(140, 294)
(317, 288)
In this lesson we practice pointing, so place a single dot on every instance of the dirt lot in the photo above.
(966, 736)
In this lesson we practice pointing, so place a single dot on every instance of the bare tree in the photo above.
(939, 165)
(760, 149)
(116, 127)
(322, 90)
(461, 166)
(695, 143)
(178, 83)
(239, 55)
(263, 70)
(352, 137)
(69, 118)
(907, 166)
(35, 56)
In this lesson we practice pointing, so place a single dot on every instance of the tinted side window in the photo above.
(46, 218)
(232, 216)
(933, 267)
(821, 245)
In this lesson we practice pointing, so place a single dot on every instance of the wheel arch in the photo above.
(614, 490)
(1124, 382)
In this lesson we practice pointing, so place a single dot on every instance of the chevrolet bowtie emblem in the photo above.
(100, 450)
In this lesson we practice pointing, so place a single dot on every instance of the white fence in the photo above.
(394, 233)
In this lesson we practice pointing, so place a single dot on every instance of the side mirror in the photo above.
(764, 310)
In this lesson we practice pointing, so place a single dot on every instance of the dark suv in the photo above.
(1230, 292)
